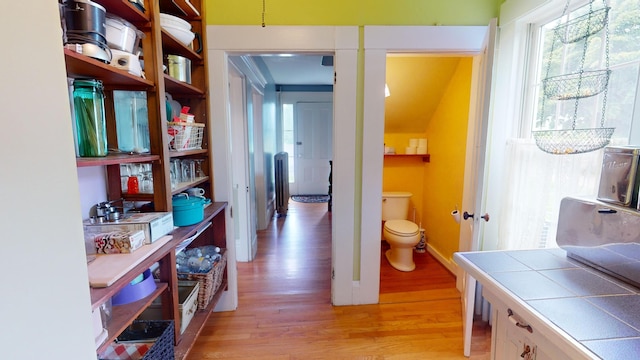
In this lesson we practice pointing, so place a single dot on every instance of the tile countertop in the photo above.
(598, 314)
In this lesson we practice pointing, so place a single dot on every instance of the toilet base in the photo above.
(401, 258)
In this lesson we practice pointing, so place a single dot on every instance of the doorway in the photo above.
(308, 139)
(429, 97)
(343, 43)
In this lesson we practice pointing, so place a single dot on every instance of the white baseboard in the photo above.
(448, 263)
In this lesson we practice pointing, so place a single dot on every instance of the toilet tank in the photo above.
(395, 205)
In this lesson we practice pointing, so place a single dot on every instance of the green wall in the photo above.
(352, 12)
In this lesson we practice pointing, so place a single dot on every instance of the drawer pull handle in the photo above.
(517, 323)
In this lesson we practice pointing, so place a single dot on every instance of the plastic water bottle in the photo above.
(210, 250)
(182, 262)
(193, 252)
(200, 264)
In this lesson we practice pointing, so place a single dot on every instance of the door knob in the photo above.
(466, 216)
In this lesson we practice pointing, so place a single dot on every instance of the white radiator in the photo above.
(282, 182)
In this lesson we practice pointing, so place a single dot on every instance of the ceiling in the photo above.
(286, 69)
(416, 82)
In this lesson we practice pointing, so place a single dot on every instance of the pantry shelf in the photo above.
(114, 159)
(425, 157)
(82, 66)
(122, 314)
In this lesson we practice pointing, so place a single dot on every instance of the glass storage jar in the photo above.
(91, 129)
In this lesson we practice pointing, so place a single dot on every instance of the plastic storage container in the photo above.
(91, 129)
(132, 121)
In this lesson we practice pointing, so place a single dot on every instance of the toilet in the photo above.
(401, 234)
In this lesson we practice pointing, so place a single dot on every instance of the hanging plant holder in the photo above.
(576, 86)
(573, 141)
(582, 27)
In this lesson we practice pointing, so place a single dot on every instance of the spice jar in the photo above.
(91, 129)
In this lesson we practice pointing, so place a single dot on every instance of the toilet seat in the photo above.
(404, 228)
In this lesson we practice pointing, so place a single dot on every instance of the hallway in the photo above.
(285, 312)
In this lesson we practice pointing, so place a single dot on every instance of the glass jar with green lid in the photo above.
(91, 129)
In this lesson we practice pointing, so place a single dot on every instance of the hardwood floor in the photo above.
(285, 311)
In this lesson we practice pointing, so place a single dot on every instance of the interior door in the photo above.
(245, 249)
(473, 194)
(313, 133)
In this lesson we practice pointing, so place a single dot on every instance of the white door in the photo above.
(245, 247)
(473, 193)
(313, 144)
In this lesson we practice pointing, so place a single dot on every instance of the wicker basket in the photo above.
(143, 340)
(209, 282)
(577, 85)
(583, 26)
(185, 136)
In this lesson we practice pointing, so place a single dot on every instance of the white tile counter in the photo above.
(584, 312)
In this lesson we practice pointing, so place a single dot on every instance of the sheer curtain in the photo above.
(536, 182)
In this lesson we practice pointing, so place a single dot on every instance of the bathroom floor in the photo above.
(430, 279)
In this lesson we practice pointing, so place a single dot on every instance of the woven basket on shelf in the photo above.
(209, 282)
(572, 141)
(577, 85)
(185, 136)
(582, 26)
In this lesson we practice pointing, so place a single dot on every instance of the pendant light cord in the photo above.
(264, 6)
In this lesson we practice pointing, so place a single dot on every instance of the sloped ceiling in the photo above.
(416, 84)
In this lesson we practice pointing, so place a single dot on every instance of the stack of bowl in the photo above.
(178, 28)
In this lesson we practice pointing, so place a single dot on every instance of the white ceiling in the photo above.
(298, 69)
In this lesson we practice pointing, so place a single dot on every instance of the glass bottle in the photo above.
(91, 128)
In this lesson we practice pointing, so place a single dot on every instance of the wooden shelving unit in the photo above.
(156, 44)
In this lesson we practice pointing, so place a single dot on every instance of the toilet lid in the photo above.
(401, 227)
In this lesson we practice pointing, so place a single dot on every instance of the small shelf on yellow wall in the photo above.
(425, 157)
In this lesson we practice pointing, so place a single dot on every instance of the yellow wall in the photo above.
(404, 173)
(352, 12)
(443, 185)
(436, 185)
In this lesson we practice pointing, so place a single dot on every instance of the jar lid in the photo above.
(87, 83)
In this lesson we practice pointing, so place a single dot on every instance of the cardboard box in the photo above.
(154, 224)
(118, 242)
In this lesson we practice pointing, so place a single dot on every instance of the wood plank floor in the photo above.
(285, 310)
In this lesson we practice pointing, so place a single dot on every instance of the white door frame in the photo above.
(378, 41)
(243, 224)
(342, 41)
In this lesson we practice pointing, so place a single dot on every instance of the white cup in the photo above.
(195, 191)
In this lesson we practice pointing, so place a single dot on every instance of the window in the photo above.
(288, 137)
(535, 182)
(556, 58)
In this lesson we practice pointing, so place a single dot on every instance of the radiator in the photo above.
(282, 182)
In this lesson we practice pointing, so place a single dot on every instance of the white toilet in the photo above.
(401, 234)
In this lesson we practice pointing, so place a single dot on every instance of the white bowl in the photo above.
(170, 20)
(184, 36)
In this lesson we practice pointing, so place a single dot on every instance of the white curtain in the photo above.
(536, 182)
